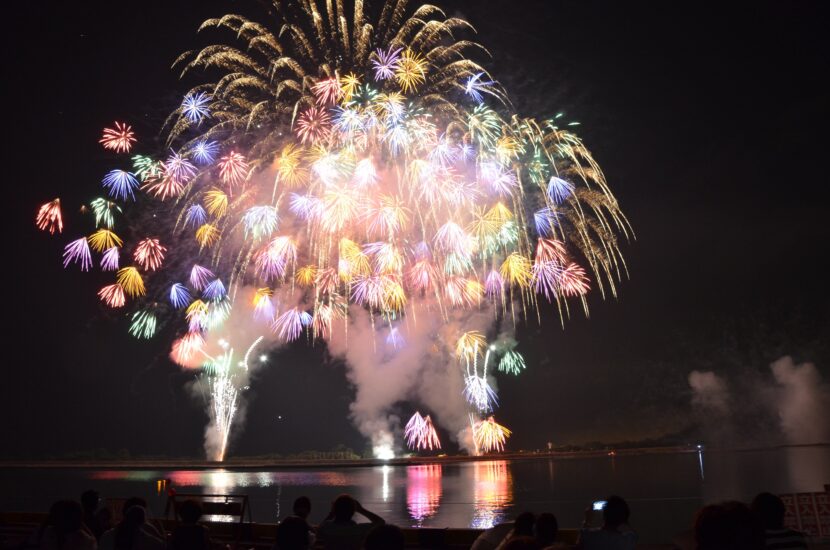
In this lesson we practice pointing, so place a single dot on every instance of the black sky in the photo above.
(709, 119)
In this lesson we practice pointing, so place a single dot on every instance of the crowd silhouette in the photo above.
(87, 525)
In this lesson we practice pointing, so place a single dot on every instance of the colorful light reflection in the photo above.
(423, 491)
(492, 493)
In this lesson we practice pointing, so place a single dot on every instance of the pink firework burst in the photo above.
(120, 139)
(313, 124)
(186, 347)
(199, 277)
(574, 281)
(327, 91)
(49, 217)
(420, 433)
(113, 295)
(233, 168)
(163, 187)
(290, 324)
(149, 254)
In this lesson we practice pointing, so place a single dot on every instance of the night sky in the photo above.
(709, 119)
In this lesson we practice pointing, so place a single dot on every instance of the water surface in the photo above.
(663, 490)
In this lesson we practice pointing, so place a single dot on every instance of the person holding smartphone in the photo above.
(615, 533)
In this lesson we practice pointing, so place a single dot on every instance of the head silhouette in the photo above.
(730, 525)
(769, 509)
(132, 501)
(343, 507)
(302, 507)
(546, 528)
(89, 500)
(523, 525)
(615, 512)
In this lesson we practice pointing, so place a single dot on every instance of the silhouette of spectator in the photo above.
(302, 507)
(292, 534)
(189, 535)
(385, 537)
(92, 518)
(339, 531)
(46, 529)
(769, 511)
(148, 527)
(132, 533)
(615, 533)
(730, 525)
(65, 528)
(522, 542)
(522, 527)
(545, 529)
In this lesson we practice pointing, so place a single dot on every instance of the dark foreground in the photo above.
(17, 528)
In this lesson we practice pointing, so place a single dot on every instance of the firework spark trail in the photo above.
(420, 433)
(490, 436)
(225, 380)
(49, 217)
(397, 185)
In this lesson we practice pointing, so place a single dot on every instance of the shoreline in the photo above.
(243, 463)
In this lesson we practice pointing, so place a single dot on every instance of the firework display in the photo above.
(420, 433)
(344, 160)
(49, 217)
(224, 381)
(489, 436)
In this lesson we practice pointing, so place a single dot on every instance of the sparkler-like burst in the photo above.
(490, 436)
(144, 324)
(119, 139)
(113, 295)
(195, 107)
(204, 152)
(420, 433)
(224, 380)
(104, 212)
(343, 160)
(149, 254)
(120, 184)
(49, 217)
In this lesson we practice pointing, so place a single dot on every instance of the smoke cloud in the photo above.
(802, 403)
(710, 393)
(411, 360)
(787, 404)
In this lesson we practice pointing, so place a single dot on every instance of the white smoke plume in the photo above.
(710, 392)
(791, 404)
(803, 401)
(411, 360)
